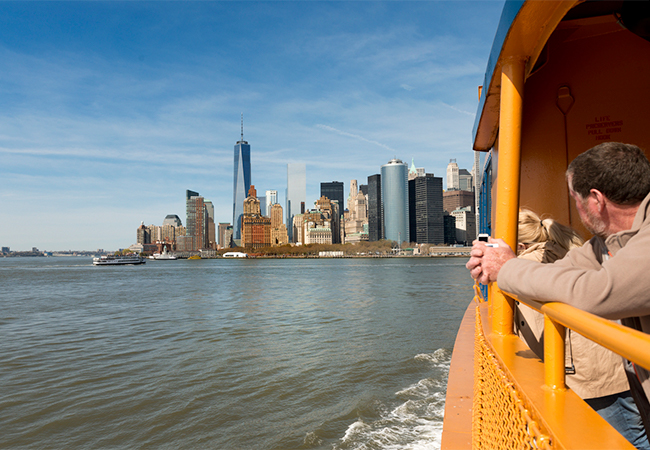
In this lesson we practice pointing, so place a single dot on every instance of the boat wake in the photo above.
(416, 420)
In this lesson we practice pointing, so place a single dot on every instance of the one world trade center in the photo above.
(241, 183)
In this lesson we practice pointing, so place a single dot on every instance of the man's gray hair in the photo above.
(620, 171)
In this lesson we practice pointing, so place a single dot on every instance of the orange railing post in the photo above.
(507, 195)
(554, 348)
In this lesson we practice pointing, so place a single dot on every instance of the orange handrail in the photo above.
(631, 344)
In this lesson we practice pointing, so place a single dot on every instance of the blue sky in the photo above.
(111, 110)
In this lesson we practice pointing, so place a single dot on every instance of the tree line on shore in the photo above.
(364, 247)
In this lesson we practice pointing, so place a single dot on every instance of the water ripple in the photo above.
(343, 354)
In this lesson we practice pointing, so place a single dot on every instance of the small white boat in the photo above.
(118, 260)
(235, 255)
(164, 256)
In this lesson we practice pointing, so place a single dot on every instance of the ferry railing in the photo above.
(631, 344)
(522, 402)
(512, 409)
(512, 412)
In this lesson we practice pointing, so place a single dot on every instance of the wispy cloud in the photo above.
(353, 136)
(471, 114)
(345, 88)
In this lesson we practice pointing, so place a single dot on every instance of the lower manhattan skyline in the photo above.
(101, 129)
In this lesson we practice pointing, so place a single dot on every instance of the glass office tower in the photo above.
(271, 199)
(241, 184)
(334, 191)
(296, 193)
(395, 200)
(375, 230)
(425, 208)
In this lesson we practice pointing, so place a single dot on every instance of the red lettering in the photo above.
(602, 128)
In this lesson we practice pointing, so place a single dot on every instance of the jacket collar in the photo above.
(618, 240)
(642, 214)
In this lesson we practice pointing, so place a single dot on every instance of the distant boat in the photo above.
(118, 260)
(194, 257)
(164, 256)
(235, 255)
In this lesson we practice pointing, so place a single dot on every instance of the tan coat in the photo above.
(598, 371)
(617, 287)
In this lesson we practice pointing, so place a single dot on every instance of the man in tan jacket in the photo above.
(608, 276)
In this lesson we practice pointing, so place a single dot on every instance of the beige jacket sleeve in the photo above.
(613, 287)
(618, 288)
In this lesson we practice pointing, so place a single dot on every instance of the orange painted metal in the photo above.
(630, 344)
(507, 196)
(554, 350)
(572, 424)
(584, 81)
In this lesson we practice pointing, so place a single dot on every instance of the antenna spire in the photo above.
(242, 127)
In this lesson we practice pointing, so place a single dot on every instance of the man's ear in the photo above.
(599, 197)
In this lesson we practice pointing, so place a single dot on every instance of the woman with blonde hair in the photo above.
(593, 372)
(535, 234)
(543, 241)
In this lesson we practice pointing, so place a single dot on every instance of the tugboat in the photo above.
(119, 260)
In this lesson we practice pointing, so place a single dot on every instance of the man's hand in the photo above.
(486, 261)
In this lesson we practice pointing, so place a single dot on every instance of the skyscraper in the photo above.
(263, 209)
(455, 199)
(196, 221)
(415, 171)
(354, 190)
(223, 227)
(271, 199)
(211, 231)
(395, 200)
(375, 229)
(465, 225)
(333, 190)
(241, 183)
(256, 229)
(453, 181)
(278, 229)
(356, 218)
(173, 220)
(276, 216)
(296, 193)
(170, 227)
(426, 213)
(465, 182)
(142, 235)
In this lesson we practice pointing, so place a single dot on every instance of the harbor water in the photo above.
(227, 354)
